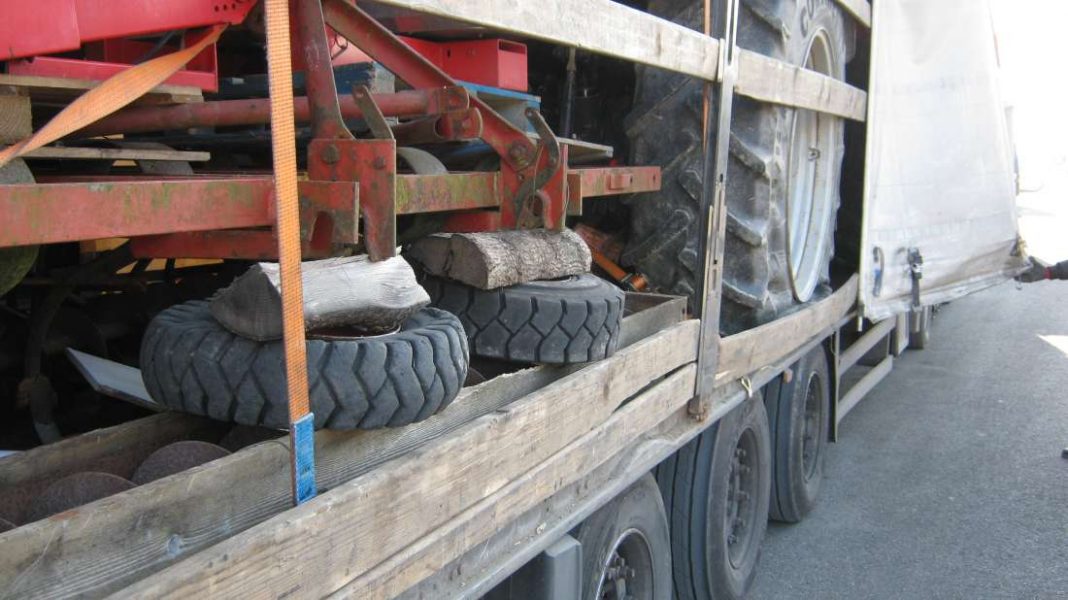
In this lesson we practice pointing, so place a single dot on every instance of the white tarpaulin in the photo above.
(940, 176)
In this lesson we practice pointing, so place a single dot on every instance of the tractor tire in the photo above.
(716, 491)
(799, 414)
(191, 363)
(15, 261)
(782, 177)
(558, 322)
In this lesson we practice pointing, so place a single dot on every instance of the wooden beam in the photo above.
(117, 450)
(90, 552)
(494, 512)
(858, 9)
(62, 89)
(325, 543)
(599, 26)
(769, 80)
(117, 154)
(745, 352)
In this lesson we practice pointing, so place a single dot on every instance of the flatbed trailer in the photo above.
(490, 489)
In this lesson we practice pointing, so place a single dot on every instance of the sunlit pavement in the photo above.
(948, 481)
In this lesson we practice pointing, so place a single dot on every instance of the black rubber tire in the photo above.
(639, 511)
(664, 127)
(694, 483)
(558, 322)
(795, 486)
(193, 364)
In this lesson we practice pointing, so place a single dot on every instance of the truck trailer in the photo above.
(444, 298)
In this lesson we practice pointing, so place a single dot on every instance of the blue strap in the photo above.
(303, 438)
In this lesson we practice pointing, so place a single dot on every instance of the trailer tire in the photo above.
(563, 321)
(798, 417)
(628, 538)
(698, 487)
(781, 207)
(191, 363)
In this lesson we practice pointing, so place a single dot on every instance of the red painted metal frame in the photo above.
(328, 223)
(522, 160)
(232, 217)
(68, 212)
(255, 111)
(92, 70)
(35, 27)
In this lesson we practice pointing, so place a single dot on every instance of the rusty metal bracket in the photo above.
(713, 210)
(372, 114)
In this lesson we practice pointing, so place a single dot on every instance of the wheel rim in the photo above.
(741, 517)
(627, 572)
(811, 203)
(813, 429)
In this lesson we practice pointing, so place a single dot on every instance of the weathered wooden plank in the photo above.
(769, 80)
(599, 26)
(117, 450)
(62, 89)
(743, 353)
(15, 121)
(90, 551)
(316, 548)
(435, 550)
(858, 9)
(78, 153)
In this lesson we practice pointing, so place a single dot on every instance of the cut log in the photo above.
(496, 259)
(353, 292)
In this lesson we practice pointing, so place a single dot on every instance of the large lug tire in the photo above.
(15, 261)
(716, 490)
(782, 178)
(626, 548)
(191, 363)
(799, 417)
(565, 321)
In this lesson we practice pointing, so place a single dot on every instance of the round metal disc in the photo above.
(75, 490)
(176, 457)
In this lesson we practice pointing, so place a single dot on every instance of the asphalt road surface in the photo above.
(947, 480)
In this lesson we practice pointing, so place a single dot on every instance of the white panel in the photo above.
(939, 169)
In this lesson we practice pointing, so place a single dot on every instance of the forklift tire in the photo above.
(626, 549)
(782, 177)
(798, 417)
(716, 490)
(563, 321)
(191, 363)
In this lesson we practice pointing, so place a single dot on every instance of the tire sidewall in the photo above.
(792, 487)
(641, 508)
(809, 18)
(724, 580)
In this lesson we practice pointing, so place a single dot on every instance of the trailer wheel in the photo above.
(716, 490)
(626, 551)
(571, 320)
(798, 416)
(783, 171)
(191, 363)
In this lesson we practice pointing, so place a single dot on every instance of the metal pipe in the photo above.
(256, 111)
(569, 95)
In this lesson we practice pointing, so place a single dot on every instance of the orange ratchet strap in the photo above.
(111, 95)
(284, 148)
